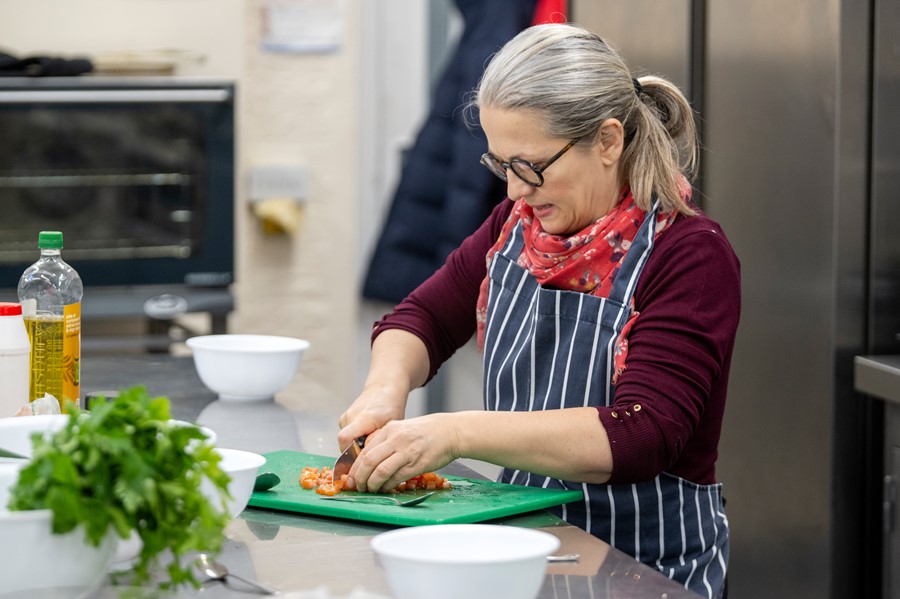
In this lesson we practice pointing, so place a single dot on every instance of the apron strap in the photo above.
(633, 263)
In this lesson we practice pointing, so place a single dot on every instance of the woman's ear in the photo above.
(611, 141)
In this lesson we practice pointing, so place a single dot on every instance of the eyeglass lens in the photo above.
(524, 170)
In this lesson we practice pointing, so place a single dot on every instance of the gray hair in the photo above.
(574, 80)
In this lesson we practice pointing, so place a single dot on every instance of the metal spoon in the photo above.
(377, 498)
(266, 481)
(568, 557)
(216, 570)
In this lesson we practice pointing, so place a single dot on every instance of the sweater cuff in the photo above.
(381, 326)
(633, 439)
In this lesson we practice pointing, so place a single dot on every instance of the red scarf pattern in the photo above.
(587, 261)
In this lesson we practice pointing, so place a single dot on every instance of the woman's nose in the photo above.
(515, 187)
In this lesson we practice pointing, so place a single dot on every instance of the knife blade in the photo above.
(6, 453)
(346, 459)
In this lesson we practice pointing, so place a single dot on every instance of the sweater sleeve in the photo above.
(441, 311)
(670, 399)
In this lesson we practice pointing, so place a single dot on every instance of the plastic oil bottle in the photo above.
(50, 292)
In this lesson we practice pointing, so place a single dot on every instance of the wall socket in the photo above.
(289, 181)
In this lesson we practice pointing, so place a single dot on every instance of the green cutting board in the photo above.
(468, 501)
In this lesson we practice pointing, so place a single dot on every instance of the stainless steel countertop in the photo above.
(878, 376)
(300, 554)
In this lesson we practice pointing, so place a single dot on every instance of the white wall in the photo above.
(303, 109)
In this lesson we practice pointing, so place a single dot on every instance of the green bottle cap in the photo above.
(50, 240)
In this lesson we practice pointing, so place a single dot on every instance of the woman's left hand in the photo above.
(402, 449)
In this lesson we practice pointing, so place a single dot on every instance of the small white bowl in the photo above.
(242, 467)
(32, 557)
(476, 561)
(15, 431)
(211, 435)
(9, 475)
(246, 367)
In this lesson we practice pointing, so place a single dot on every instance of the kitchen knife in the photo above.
(346, 459)
(6, 453)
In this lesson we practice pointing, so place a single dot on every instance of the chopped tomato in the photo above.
(327, 489)
(321, 479)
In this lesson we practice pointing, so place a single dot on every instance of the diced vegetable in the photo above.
(321, 480)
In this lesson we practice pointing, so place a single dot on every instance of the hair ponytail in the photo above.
(662, 152)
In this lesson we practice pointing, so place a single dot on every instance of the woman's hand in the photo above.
(399, 364)
(375, 407)
(402, 449)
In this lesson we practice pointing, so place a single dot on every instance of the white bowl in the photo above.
(15, 431)
(211, 435)
(32, 557)
(242, 467)
(9, 474)
(476, 561)
(246, 367)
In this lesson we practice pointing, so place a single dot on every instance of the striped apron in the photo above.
(548, 349)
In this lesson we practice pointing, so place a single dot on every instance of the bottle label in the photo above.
(71, 362)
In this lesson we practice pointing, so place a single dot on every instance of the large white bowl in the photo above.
(246, 367)
(242, 467)
(32, 557)
(476, 561)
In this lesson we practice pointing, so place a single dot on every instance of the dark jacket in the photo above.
(444, 194)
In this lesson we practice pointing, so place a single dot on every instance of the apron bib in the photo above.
(548, 349)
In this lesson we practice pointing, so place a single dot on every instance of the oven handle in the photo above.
(115, 96)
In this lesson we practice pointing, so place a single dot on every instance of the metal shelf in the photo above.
(95, 180)
(878, 376)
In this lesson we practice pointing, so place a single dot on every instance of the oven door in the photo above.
(138, 175)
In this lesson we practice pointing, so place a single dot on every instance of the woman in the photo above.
(605, 302)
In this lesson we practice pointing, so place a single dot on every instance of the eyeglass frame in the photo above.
(537, 169)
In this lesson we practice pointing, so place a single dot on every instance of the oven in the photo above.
(138, 174)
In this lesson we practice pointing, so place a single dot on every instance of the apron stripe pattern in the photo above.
(550, 348)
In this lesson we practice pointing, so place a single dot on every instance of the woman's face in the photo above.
(580, 187)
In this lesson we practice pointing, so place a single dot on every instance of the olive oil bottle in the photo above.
(50, 292)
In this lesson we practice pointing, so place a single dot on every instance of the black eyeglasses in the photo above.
(533, 174)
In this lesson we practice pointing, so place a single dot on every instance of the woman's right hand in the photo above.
(376, 406)
(399, 364)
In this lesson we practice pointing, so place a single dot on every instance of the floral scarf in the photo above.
(587, 261)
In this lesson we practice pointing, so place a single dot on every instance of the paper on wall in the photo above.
(302, 26)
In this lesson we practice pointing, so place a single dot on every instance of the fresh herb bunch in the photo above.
(125, 466)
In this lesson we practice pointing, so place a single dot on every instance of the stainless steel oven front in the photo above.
(138, 173)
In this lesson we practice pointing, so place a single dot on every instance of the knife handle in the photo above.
(360, 442)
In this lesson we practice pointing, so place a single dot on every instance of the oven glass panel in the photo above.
(120, 183)
(143, 192)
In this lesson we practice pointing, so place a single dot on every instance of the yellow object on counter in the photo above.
(279, 216)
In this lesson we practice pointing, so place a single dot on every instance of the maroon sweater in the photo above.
(679, 350)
